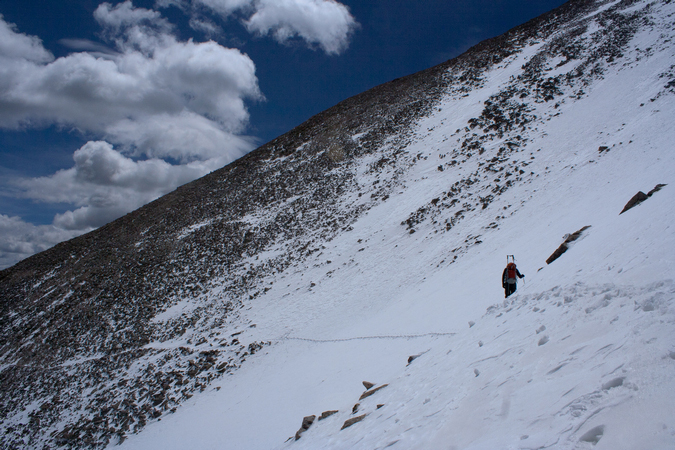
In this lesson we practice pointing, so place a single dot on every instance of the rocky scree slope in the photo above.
(90, 350)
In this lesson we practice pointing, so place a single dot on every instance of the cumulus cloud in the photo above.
(18, 46)
(226, 7)
(19, 240)
(326, 24)
(134, 28)
(152, 77)
(104, 184)
(205, 26)
(165, 112)
(165, 136)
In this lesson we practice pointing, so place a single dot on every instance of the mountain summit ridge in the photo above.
(115, 329)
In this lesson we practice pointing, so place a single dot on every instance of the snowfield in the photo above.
(583, 354)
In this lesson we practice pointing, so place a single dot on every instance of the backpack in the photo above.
(511, 272)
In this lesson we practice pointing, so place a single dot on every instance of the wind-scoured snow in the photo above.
(368, 245)
(582, 356)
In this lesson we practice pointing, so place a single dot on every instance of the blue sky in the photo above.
(107, 106)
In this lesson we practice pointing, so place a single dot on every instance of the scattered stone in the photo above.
(380, 405)
(355, 408)
(46, 406)
(471, 323)
(657, 188)
(568, 238)
(326, 414)
(306, 423)
(635, 200)
(349, 422)
(371, 392)
(414, 357)
(640, 197)
(368, 384)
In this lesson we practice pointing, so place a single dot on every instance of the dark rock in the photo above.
(349, 422)
(564, 246)
(371, 392)
(657, 188)
(355, 408)
(636, 200)
(413, 358)
(641, 197)
(368, 384)
(326, 414)
(306, 423)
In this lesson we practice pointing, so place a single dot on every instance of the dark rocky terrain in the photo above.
(85, 356)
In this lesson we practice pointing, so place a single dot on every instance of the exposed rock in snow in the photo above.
(640, 197)
(568, 239)
(370, 392)
(349, 422)
(327, 414)
(376, 231)
(307, 422)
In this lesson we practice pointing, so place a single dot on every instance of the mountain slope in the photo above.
(373, 232)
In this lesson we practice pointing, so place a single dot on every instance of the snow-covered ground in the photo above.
(582, 356)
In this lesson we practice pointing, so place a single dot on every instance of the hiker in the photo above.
(509, 277)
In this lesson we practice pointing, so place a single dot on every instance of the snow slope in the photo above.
(582, 356)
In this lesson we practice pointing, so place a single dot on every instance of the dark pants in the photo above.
(509, 289)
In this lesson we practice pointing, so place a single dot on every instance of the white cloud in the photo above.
(18, 46)
(104, 184)
(205, 26)
(325, 23)
(134, 28)
(94, 48)
(150, 95)
(19, 240)
(226, 7)
(151, 80)
(165, 136)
